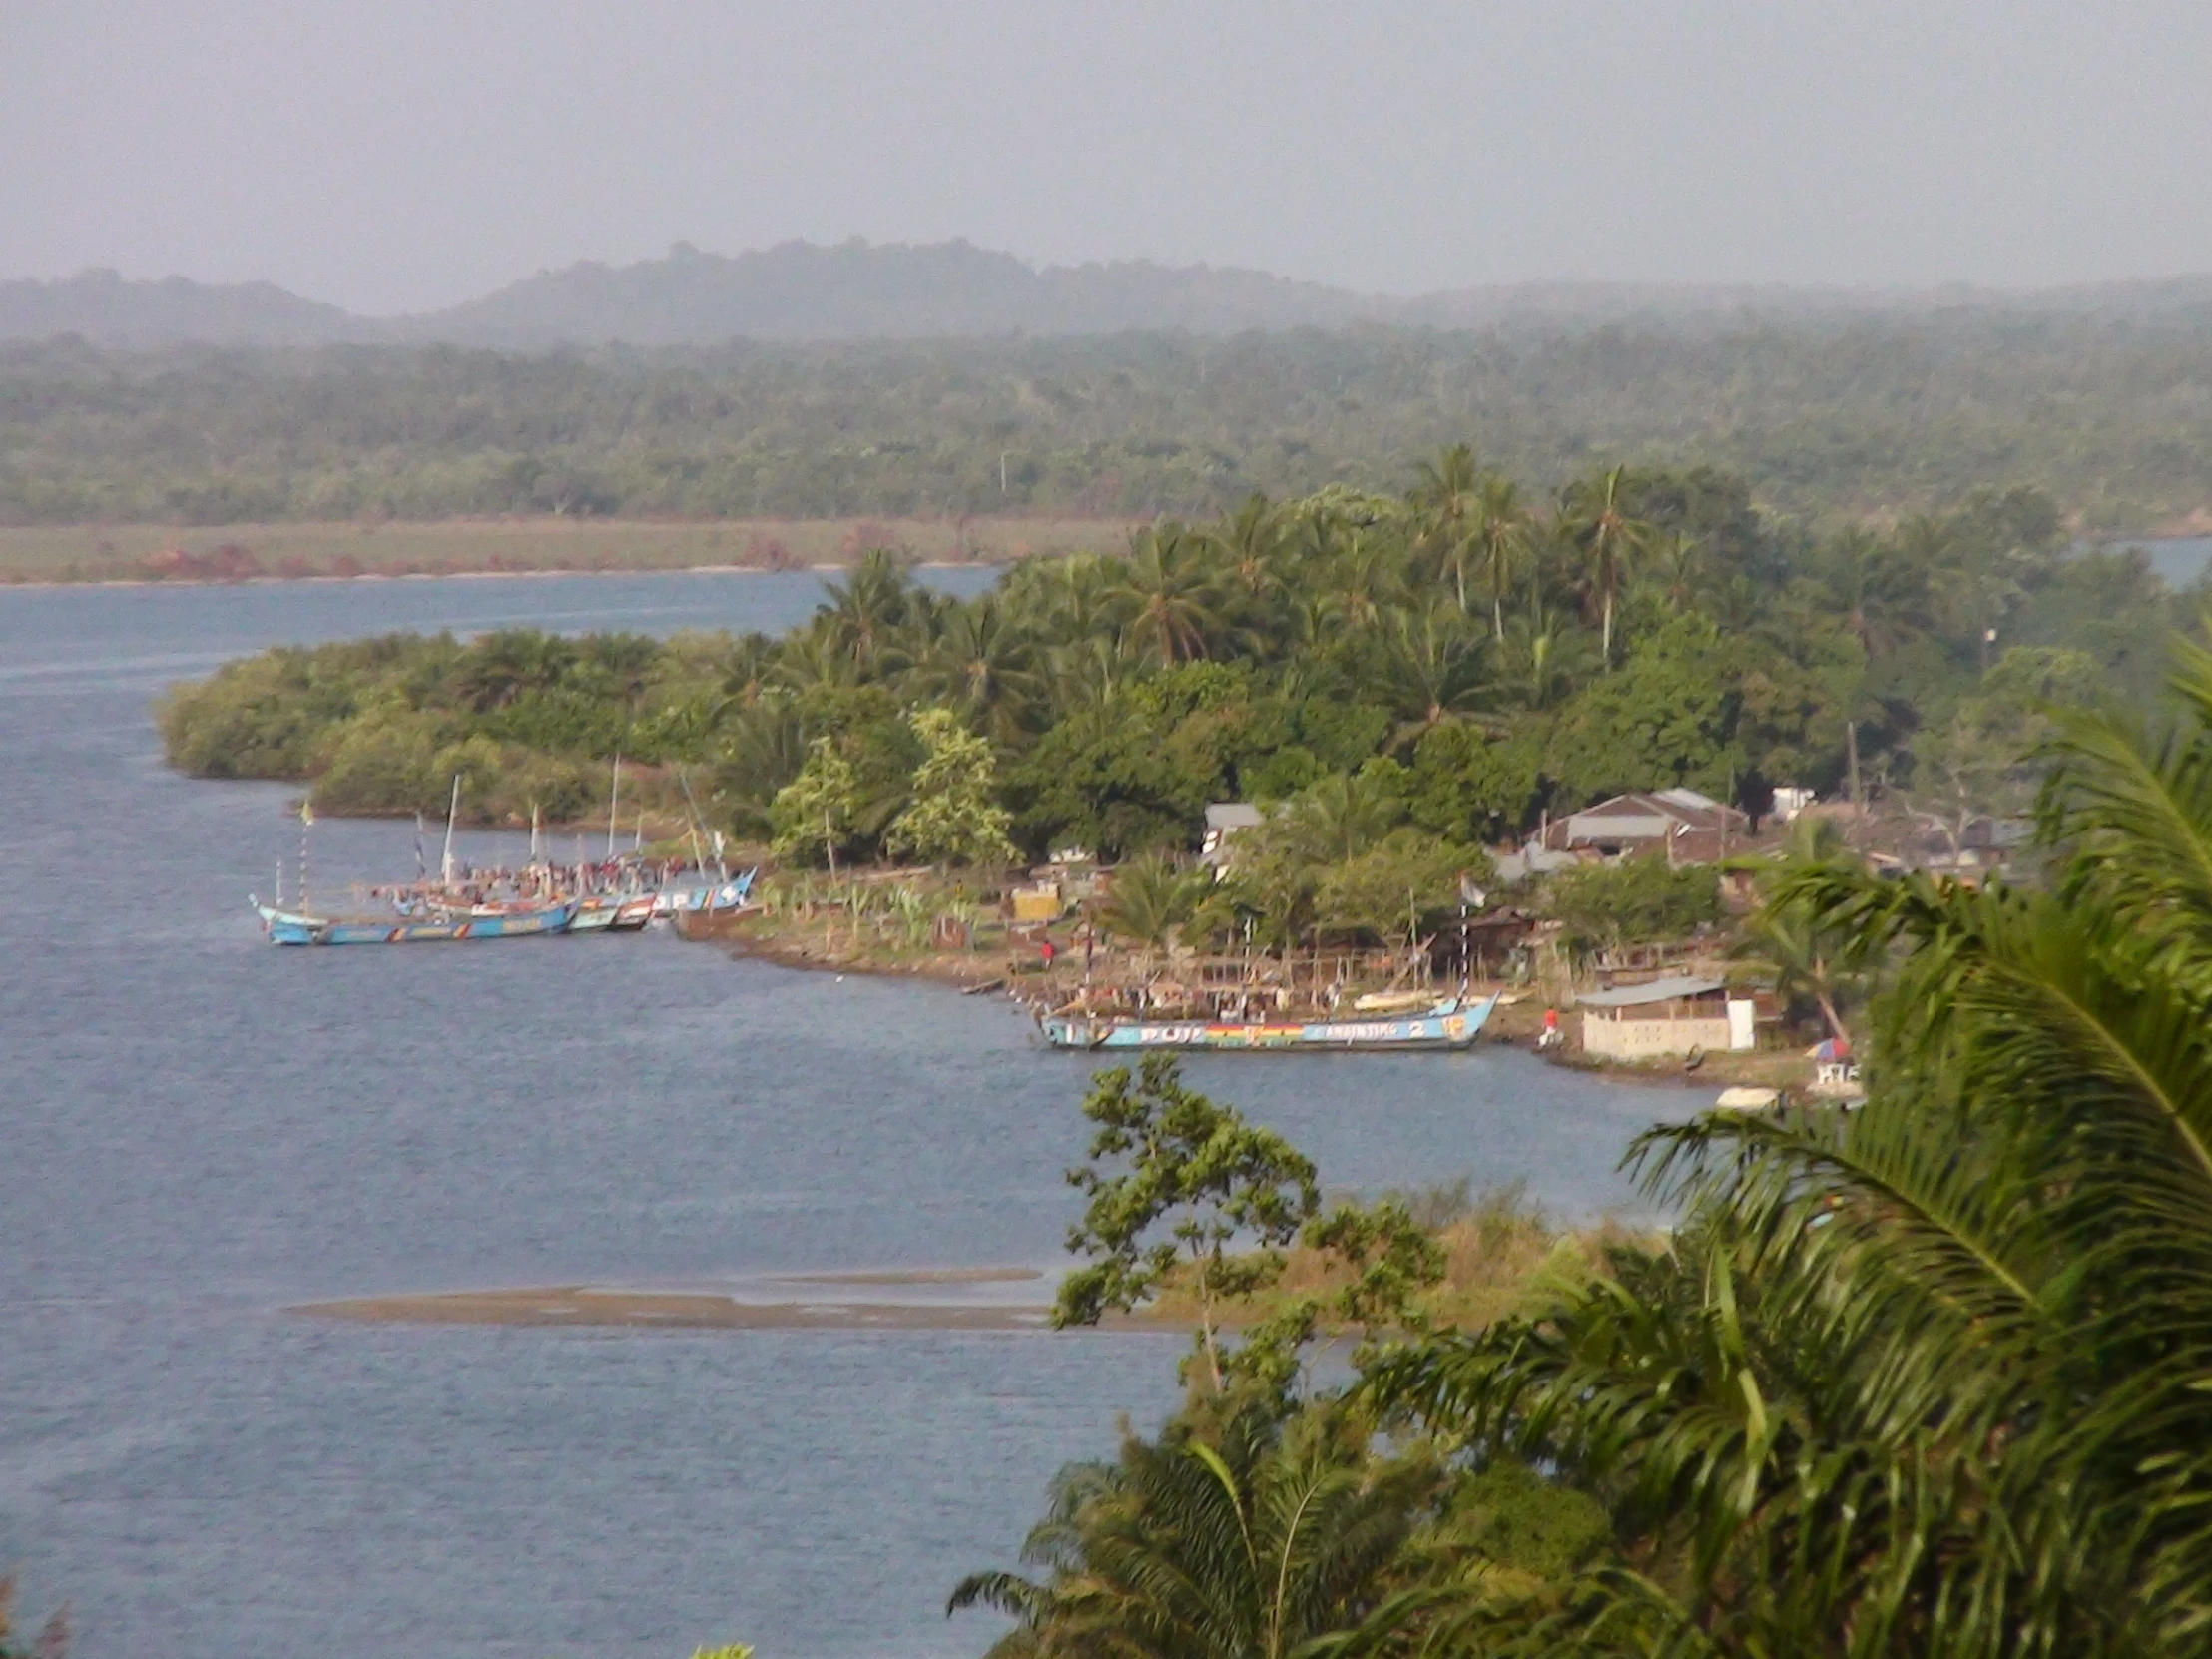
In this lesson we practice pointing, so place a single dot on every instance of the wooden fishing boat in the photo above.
(595, 913)
(296, 927)
(606, 912)
(1449, 1024)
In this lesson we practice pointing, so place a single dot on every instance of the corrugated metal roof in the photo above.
(1659, 990)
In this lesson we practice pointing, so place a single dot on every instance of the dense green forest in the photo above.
(1414, 674)
(1925, 1377)
(1824, 417)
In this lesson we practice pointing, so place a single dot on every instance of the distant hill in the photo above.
(108, 311)
(803, 292)
(855, 291)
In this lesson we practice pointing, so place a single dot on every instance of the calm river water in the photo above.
(197, 1130)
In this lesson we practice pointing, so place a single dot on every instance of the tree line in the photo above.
(1408, 676)
(1824, 417)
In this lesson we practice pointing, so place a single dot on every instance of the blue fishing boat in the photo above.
(438, 927)
(1449, 1024)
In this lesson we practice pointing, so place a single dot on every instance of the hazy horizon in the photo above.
(405, 158)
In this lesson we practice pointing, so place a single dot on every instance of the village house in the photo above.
(1680, 825)
(1676, 1015)
(1224, 820)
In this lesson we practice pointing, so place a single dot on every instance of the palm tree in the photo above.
(1677, 561)
(1445, 495)
(500, 667)
(1062, 601)
(1881, 591)
(1341, 815)
(1928, 1378)
(1807, 955)
(1544, 657)
(1429, 668)
(1252, 545)
(1153, 899)
(865, 613)
(1360, 578)
(1608, 539)
(983, 666)
(1501, 535)
(1168, 594)
(1254, 1539)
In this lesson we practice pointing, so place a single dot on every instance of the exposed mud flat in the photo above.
(577, 1305)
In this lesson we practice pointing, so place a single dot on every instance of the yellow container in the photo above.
(1037, 904)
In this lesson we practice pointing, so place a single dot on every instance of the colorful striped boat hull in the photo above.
(291, 927)
(1449, 1025)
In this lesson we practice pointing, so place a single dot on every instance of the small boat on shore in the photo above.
(436, 928)
(1450, 1024)
(612, 913)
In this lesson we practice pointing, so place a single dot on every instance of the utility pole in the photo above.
(1851, 752)
(1002, 454)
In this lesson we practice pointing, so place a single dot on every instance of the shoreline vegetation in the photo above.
(51, 556)
(1402, 696)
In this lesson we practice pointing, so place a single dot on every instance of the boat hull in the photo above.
(291, 928)
(1448, 1027)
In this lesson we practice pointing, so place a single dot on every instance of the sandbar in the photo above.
(578, 1304)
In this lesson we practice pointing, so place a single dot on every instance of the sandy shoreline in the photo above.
(578, 1304)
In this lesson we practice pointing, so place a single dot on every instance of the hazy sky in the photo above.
(395, 155)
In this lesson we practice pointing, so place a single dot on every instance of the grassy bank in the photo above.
(454, 547)
(1502, 1256)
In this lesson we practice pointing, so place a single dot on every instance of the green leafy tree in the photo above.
(813, 815)
(1983, 757)
(1389, 890)
(1173, 1181)
(1468, 785)
(953, 816)
(1632, 900)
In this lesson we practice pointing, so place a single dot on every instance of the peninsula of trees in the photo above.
(1416, 675)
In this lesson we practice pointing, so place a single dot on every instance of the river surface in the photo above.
(196, 1131)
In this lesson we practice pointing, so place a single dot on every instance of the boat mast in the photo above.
(452, 809)
(306, 822)
(534, 833)
(613, 796)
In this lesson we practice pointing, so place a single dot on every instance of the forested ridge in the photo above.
(1824, 417)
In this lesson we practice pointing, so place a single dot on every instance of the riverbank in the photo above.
(995, 956)
(158, 554)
